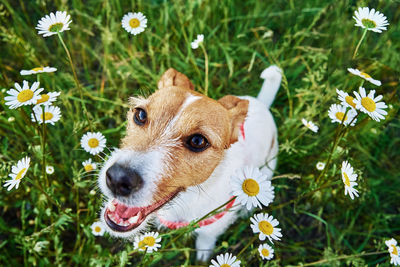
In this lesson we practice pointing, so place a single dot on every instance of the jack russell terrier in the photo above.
(180, 150)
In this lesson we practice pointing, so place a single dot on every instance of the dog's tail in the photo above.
(272, 80)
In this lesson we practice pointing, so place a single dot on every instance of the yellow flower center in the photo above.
(395, 252)
(147, 241)
(47, 116)
(44, 98)
(225, 265)
(368, 104)
(56, 27)
(250, 187)
(134, 23)
(93, 142)
(340, 115)
(349, 100)
(265, 252)
(88, 167)
(38, 69)
(97, 229)
(365, 75)
(346, 179)
(368, 23)
(266, 227)
(25, 95)
(20, 174)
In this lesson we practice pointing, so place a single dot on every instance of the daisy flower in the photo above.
(349, 177)
(17, 173)
(51, 114)
(97, 228)
(252, 187)
(320, 166)
(147, 241)
(365, 76)
(197, 41)
(134, 23)
(24, 95)
(370, 104)
(370, 19)
(266, 252)
(47, 99)
(394, 251)
(345, 99)
(93, 143)
(310, 125)
(49, 169)
(37, 70)
(53, 24)
(336, 113)
(225, 260)
(89, 165)
(266, 226)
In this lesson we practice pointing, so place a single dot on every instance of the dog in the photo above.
(180, 150)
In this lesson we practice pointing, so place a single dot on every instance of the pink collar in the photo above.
(216, 217)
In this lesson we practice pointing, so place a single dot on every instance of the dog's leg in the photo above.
(205, 243)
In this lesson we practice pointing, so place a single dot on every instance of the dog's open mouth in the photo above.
(122, 218)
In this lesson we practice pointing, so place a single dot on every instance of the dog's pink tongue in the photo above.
(129, 212)
(126, 212)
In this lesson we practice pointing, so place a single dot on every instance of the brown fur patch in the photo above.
(217, 121)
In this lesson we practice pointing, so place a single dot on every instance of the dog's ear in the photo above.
(237, 108)
(172, 77)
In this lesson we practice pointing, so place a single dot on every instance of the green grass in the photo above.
(312, 41)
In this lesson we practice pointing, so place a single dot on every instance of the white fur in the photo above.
(259, 147)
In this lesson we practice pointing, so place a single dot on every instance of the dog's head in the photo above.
(174, 140)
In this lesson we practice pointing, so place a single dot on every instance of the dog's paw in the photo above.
(271, 73)
(203, 255)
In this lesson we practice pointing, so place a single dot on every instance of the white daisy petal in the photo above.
(310, 125)
(53, 24)
(148, 242)
(251, 191)
(337, 114)
(365, 76)
(226, 259)
(25, 95)
(266, 226)
(93, 143)
(51, 114)
(134, 23)
(266, 252)
(38, 70)
(367, 104)
(348, 178)
(88, 165)
(370, 19)
(98, 228)
(18, 172)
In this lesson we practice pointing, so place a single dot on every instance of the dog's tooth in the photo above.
(111, 207)
(134, 219)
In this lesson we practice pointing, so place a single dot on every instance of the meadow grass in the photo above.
(312, 41)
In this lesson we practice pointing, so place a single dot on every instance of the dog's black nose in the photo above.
(123, 180)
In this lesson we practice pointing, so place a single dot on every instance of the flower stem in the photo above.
(76, 79)
(44, 146)
(206, 69)
(359, 43)
(335, 143)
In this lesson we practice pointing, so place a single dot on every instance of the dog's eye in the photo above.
(197, 143)
(140, 116)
